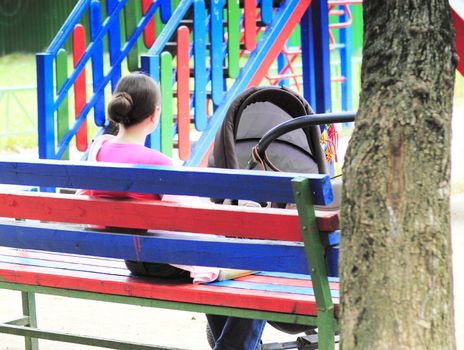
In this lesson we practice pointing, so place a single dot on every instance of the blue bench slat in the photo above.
(214, 183)
(56, 256)
(221, 252)
(297, 276)
(269, 287)
(63, 265)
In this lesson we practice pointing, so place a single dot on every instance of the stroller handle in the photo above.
(294, 124)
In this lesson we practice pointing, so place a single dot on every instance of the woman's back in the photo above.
(108, 151)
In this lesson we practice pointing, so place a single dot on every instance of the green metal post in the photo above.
(233, 40)
(62, 117)
(159, 25)
(29, 309)
(130, 24)
(314, 249)
(166, 122)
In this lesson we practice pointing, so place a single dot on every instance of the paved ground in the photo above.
(184, 329)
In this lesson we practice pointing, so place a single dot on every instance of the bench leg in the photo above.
(327, 327)
(29, 310)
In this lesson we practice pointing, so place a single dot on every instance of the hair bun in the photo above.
(134, 99)
(120, 107)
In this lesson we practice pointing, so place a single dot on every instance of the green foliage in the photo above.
(17, 70)
(18, 102)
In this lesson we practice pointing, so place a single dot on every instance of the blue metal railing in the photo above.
(49, 102)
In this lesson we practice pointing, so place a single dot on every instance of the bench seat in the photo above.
(274, 292)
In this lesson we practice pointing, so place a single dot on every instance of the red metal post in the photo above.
(80, 97)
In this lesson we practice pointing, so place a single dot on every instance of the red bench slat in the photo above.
(263, 223)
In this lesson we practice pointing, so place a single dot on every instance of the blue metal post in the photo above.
(97, 61)
(151, 67)
(217, 59)
(266, 11)
(320, 21)
(166, 10)
(281, 62)
(307, 58)
(199, 59)
(114, 44)
(45, 102)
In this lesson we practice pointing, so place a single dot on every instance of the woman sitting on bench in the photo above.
(135, 107)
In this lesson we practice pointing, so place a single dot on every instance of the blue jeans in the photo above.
(232, 333)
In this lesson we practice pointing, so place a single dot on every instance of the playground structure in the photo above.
(202, 53)
(292, 76)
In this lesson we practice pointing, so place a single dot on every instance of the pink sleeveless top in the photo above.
(104, 151)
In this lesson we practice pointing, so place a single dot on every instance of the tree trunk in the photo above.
(396, 243)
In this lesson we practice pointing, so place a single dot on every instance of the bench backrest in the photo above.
(253, 238)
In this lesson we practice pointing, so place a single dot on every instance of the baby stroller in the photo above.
(250, 117)
(255, 112)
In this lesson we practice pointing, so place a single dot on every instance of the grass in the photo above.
(17, 70)
(18, 106)
(18, 102)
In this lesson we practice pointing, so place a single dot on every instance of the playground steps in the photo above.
(206, 38)
(202, 53)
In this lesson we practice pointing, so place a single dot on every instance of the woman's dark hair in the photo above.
(135, 98)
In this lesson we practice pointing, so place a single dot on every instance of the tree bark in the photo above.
(396, 278)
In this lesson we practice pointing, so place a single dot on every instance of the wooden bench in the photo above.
(45, 246)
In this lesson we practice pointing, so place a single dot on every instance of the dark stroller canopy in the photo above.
(255, 112)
